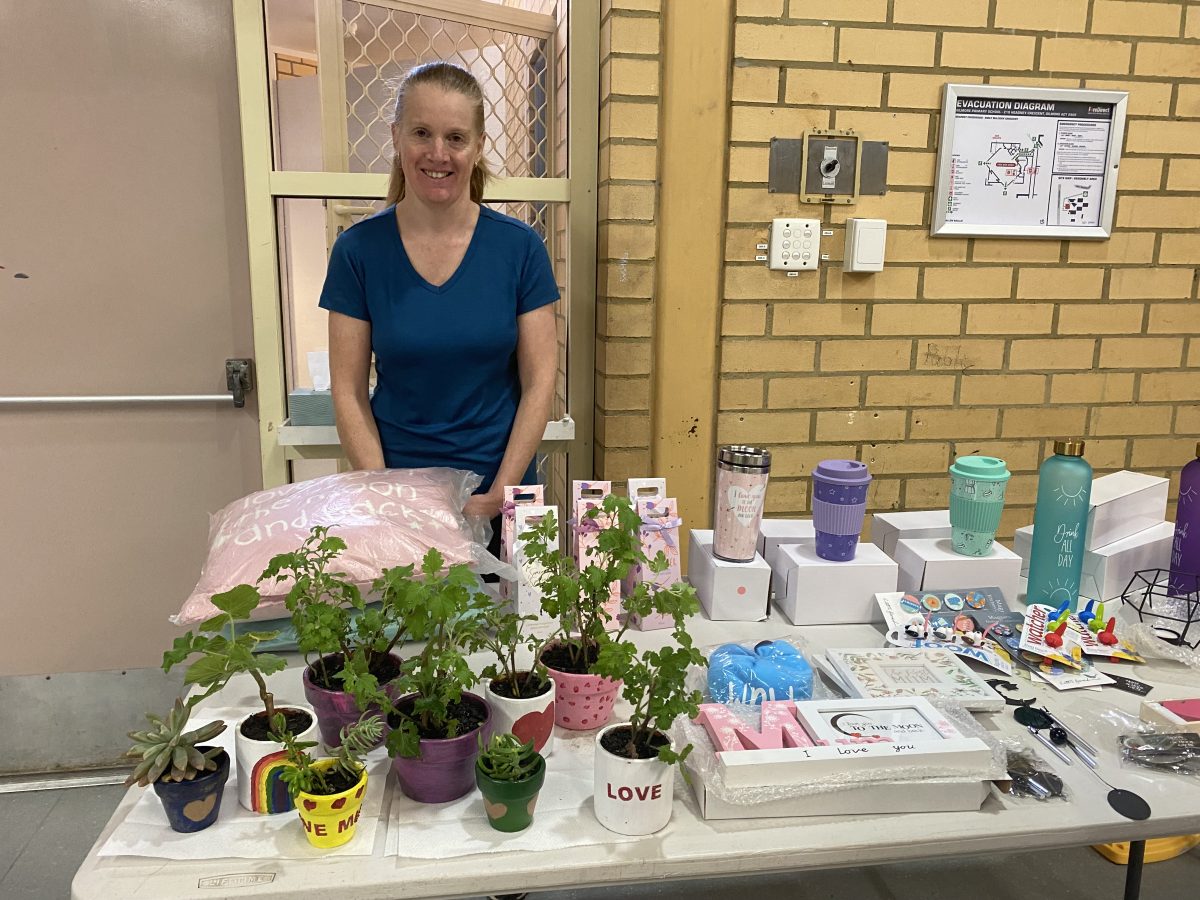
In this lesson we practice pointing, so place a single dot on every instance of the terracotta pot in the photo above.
(509, 804)
(193, 805)
(445, 769)
(337, 709)
(526, 718)
(632, 796)
(331, 820)
(259, 764)
(582, 702)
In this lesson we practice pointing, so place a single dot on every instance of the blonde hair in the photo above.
(448, 77)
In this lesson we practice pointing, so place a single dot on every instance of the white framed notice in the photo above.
(1028, 162)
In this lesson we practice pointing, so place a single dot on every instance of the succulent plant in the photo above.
(507, 759)
(170, 753)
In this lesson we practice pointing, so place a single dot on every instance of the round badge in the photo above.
(1002, 630)
(910, 604)
(953, 601)
(976, 601)
(931, 602)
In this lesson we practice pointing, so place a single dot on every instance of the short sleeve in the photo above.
(537, 287)
(344, 290)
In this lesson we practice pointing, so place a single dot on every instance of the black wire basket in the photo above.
(1167, 602)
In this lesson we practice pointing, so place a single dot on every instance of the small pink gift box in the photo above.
(514, 496)
(660, 534)
(586, 529)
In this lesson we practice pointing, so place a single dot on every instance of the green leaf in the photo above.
(238, 602)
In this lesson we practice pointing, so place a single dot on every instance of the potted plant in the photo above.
(436, 722)
(634, 778)
(329, 792)
(521, 700)
(188, 777)
(221, 652)
(509, 774)
(354, 640)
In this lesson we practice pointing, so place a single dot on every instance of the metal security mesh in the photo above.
(381, 44)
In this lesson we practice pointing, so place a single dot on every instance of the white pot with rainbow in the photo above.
(260, 763)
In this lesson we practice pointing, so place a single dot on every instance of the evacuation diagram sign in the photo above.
(1027, 163)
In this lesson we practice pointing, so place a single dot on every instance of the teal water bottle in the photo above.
(1060, 526)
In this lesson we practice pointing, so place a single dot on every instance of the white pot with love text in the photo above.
(632, 796)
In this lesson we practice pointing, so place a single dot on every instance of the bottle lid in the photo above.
(842, 471)
(1069, 447)
(980, 468)
(742, 455)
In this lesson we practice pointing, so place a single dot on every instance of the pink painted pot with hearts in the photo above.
(526, 718)
(583, 702)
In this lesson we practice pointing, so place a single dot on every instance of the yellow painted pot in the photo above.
(330, 820)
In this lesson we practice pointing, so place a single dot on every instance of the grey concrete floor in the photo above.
(45, 835)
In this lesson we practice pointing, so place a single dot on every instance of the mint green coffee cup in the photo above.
(977, 488)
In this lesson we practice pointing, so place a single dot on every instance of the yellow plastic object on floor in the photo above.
(1157, 849)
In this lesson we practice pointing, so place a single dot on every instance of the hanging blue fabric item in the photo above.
(773, 670)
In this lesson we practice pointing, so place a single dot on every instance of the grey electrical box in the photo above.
(830, 169)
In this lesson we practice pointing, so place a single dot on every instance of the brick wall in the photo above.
(959, 345)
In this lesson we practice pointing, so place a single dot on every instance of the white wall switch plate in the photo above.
(865, 241)
(795, 244)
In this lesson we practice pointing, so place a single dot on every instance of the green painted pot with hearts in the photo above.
(509, 804)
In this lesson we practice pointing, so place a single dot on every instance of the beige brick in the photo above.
(1121, 247)
(763, 9)
(1140, 353)
(861, 425)
(913, 170)
(1193, 357)
(1169, 386)
(1012, 251)
(741, 355)
(626, 279)
(1092, 387)
(1009, 318)
(1146, 98)
(1151, 284)
(743, 318)
(910, 456)
(1126, 420)
(1084, 55)
(1012, 518)
(910, 245)
(633, 35)
(1180, 248)
(906, 90)
(867, 355)
(910, 390)
(790, 43)
(1154, 136)
(883, 494)
(844, 11)
(626, 430)
(760, 283)
(1100, 318)
(917, 318)
(968, 283)
(620, 465)
(948, 353)
(1192, 25)
(1051, 353)
(898, 207)
(625, 240)
(1187, 421)
(885, 47)
(1150, 453)
(623, 393)
(627, 201)
(761, 123)
(1020, 456)
(1059, 284)
(623, 357)
(1171, 60)
(1002, 390)
(635, 77)
(638, 5)
(898, 129)
(1141, 174)
(1106, 455)
(786, 497)
(755, 84)
(963, 14)
(633, 162)
(800, 460)
(768, 427)
(953, 424)
(819, 318)
(894, 282)
(1184, 174)
(1125, 17)
(1043, 79)
(1044, 421)
(742, 393)
(754, 205)
(965, 50)
(833, 87)
(1175, 318)
(1189, 101)
(929, 493)
(741, 243)
(1046, 15)
(626, 319)
(813, 391)
(749, 164)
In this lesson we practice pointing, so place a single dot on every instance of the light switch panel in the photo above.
(865, 242)
(795, 244)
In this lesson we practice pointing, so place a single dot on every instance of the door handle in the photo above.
(239, 379)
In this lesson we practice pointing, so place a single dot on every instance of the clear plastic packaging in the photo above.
(1030, 778)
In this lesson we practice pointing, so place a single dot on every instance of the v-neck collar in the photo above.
(417, 276)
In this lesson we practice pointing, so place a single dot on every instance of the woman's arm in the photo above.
(537, 366)
(349, 370)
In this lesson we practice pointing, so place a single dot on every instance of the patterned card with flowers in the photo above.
(912, 672)
(660, 534)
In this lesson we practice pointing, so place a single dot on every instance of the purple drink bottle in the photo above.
(1185, 551)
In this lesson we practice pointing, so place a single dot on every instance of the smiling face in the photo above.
(437, 143)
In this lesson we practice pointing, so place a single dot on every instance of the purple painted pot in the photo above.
(337, 709)
(445, 770)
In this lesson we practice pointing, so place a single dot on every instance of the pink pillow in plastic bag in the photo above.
(387, 518)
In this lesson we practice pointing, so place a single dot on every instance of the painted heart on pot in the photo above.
(310, 805)
(535, 726)
(746, 503)
(494, 810)
(198, 809)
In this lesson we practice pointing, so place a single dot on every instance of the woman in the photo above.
(454, 299)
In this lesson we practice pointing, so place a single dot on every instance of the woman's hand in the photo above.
(484, 506)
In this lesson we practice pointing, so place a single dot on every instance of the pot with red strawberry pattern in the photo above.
(530, 716)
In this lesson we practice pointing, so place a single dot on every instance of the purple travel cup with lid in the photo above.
(839, 504)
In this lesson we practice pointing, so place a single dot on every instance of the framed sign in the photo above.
(1028, 162)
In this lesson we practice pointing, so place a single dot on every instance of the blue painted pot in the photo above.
(193, 805)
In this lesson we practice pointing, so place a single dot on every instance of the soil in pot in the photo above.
(558, 656)
(326, 669)
(338, 781)
(529, 683)
(618, 739)
(469, 716)
(258, 728)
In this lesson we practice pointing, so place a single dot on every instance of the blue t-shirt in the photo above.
(445, 356)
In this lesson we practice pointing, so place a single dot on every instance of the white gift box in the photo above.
(728, 591)
(930, 564)
(1124, 503)
(820, 592)
(525, 597)
(1107, 570)
(775, 533)
(887, 528)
